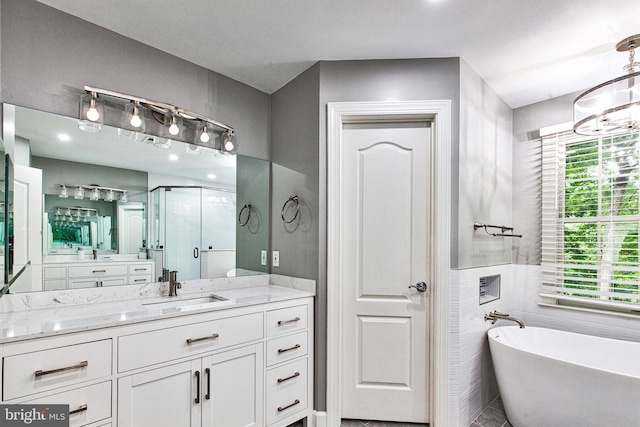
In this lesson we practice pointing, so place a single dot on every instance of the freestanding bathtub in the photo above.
(550, 378)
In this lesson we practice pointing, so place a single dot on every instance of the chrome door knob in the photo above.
(420, 286)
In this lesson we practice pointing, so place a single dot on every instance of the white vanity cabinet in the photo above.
(97, 274)
(288, 385)
(74, 370)
(219, 388)
(236, 367)
(224, 389)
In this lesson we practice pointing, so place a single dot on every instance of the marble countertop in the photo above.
(74, 259)
(41, 314)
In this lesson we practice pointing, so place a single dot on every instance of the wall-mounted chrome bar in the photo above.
(503, 229)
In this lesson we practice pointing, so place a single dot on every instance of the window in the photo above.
(590, 218)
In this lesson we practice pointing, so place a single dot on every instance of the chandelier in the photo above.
(613, 106)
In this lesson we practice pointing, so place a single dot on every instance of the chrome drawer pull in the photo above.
(284, 350)
(80, 365)
(282, 408)
(140, 269)
(281, 380)
(284, 322)
(80, 409)
(140, 280)
(99, 271)
(210, 337)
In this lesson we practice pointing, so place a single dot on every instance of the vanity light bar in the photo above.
(59, 210)
(161, 107)
(92, 189)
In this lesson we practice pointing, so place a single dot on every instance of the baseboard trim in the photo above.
(319, 419)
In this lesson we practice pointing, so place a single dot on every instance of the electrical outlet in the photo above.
(263, 257)
(275, 259)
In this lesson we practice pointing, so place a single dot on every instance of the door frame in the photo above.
(438, 113)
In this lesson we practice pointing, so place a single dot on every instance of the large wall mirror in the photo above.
(116, 193)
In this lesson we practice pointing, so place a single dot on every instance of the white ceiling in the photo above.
(526, 50)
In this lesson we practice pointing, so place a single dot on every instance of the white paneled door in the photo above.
(384, 242)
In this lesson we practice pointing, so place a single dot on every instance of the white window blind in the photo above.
(590, 217)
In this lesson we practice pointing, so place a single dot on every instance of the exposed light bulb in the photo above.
(228, 145)
(92, 112)
(204, 136)
(174, 129)
(135, 121)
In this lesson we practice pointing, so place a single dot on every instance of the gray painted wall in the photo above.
(252, 187)
(485, 173)
(527, 171)
(48, 57)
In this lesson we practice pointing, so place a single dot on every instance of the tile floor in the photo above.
(492, 416)
(358, 423)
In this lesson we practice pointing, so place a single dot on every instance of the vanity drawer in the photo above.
(286, 320)
(98, 271)
(286, 404)
(86, 404)
(56, 284)
(139, 280)
(286, 348)
(284, 378)
(54, 272)
(29, 373)
(148, 348)
(135, 269)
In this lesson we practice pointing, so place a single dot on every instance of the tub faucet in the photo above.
(497, 315)
(174, 285)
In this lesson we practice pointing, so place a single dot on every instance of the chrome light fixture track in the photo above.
(174, 120)
(614, 106)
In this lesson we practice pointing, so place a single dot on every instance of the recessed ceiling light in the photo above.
(64, 137)
(173, 157)
(211, 176)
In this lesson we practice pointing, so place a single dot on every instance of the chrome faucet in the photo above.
(497, 315)
(173, 284)
(165, 276)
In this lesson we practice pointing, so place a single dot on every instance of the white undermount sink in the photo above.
(183, 302)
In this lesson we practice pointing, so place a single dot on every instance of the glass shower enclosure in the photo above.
(195, 227)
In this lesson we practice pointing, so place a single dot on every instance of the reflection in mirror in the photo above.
(114, 229)
(6, 214)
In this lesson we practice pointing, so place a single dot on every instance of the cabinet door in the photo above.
(232, 388)
(161, 397)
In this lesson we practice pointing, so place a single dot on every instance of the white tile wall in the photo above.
(473, 385)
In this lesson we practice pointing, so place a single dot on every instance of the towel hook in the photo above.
(292, 199)
(243, 223)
